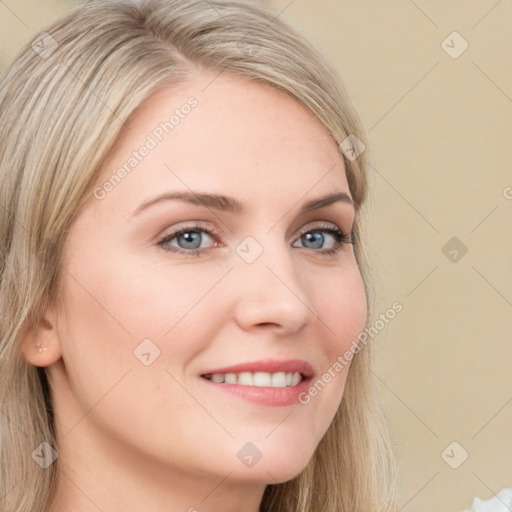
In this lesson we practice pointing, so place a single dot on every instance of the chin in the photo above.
(273, 469)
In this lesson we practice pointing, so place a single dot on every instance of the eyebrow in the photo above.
(232, 205)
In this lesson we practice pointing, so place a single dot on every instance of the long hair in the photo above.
(64, 101)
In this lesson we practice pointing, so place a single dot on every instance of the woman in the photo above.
(183, 282)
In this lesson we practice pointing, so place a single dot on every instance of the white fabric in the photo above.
(500, 502)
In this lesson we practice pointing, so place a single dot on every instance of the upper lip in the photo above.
(269, 366)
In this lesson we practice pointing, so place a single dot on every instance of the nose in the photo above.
(271, 293)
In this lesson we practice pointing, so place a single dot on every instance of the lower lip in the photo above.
(288, 395)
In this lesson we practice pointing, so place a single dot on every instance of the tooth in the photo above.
(262, 379)
(279, 380)
(245, 378)
(296, 378)
(230, 378)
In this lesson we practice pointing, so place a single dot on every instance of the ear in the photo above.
(40, 344)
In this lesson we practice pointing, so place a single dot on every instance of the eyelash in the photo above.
(341, 239)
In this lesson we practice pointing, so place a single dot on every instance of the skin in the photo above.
(136, 437)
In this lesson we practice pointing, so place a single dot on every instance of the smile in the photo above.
(268, 382)
(259, 379)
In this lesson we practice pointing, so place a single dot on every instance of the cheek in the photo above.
(115, 310)
(134, 298)
(107, 312)
(339, 298)
(340, 302)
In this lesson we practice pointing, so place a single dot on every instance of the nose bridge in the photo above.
(270, 287)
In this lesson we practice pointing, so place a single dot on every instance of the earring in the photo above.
(40, 348)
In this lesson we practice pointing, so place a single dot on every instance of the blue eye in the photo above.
(190, 238)
(316, 238)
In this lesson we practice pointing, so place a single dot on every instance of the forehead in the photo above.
(239, 136)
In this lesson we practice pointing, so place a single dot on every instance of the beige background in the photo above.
(440, 129)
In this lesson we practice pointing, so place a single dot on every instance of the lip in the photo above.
(267, 396)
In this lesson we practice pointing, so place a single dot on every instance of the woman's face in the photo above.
(144, 314)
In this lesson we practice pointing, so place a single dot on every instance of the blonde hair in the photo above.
(63, 105)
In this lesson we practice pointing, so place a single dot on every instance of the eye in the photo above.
(190, 238)
(315, 239)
